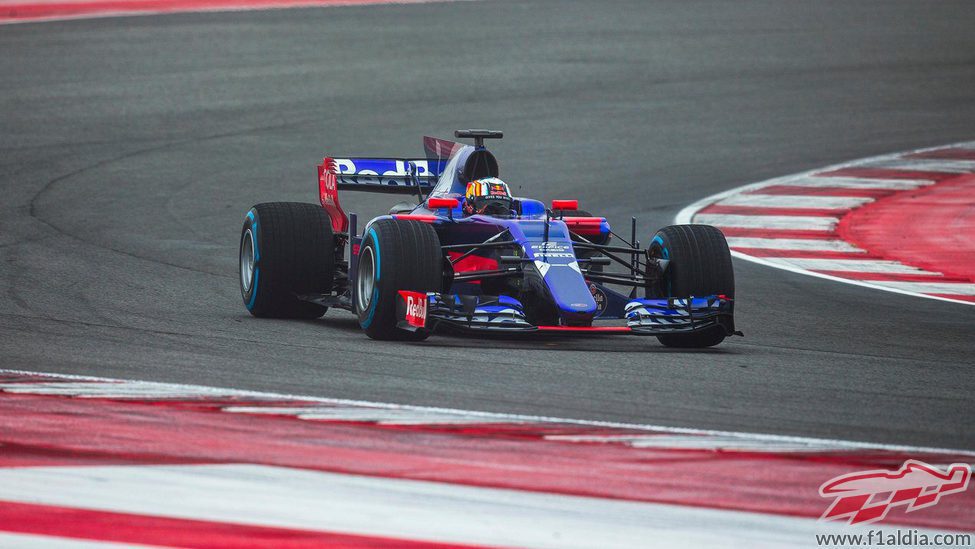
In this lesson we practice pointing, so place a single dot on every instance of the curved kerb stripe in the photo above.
(845, 222)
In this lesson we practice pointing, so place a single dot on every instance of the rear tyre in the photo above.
(286, 250)
(396, 254)
(700, 265)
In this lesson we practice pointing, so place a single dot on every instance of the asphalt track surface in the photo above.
(132, 147)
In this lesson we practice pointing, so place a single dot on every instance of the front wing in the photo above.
(503, 314)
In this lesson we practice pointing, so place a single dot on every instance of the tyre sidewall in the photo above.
(251, 224)
(368, 317)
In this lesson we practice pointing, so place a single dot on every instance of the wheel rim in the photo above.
(247, 260)
(366, 282)
(655, 251)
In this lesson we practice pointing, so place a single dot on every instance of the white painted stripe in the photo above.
(10, 540)
(791, 222)
(495, 417)
(405, 509)
(693, 442)
(925, 165)
(857, 183)
(854, 282)
(132, 389)
(794, 201)
(798, 244)
(383, 416)
(851, 265)
(950, 288)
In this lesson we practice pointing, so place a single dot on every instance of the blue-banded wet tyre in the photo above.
(396, 254)
(286, 249)
(700, 265)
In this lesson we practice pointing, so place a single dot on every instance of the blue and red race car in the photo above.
(440, 263)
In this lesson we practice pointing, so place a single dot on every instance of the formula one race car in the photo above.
(468, 256)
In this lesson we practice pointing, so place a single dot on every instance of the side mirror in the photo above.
(435, 203)
(565, 204)
(449, 203)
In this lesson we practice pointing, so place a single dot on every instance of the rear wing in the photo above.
(390, 175)
(382, 175)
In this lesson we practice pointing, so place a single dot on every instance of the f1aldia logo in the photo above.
(867, 496)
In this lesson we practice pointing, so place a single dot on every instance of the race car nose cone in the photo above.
(571, 295)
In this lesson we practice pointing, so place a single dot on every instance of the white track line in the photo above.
(382, 416)
(11, 540)
(951, 288)
(280, 497)
(795, 244)
(810, 179)
(865, 284)
(495, 417)
(851, 266)
(926, 165)
(855, 183)
(794, 201)
(785, 222)
(694, 442)
(116, 390)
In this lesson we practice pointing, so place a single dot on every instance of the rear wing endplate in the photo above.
(383, 175)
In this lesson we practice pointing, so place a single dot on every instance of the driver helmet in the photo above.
(488, 196)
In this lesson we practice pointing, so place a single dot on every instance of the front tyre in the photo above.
(395, 254)
(700, 265)
(286, 250)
